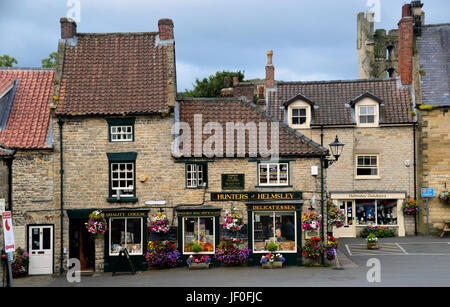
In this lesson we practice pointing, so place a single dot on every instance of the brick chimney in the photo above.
(68, 27)
(270, 71)
(405, 45)
(165, 27)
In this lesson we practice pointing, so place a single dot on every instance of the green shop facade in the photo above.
(271, 216)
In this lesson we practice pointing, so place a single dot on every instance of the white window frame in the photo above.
(367, 103)
(377, 166)
(273, 214)
(299, 104)
(113, 189)
(197, 172)
(268, 164)
(126, 244)
(126, 136)
(214, 234)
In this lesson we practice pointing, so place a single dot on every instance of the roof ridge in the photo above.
(437, 25)
(338, 81)
(27, 68)
(117, 33)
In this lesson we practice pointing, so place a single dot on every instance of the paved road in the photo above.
(412, 261)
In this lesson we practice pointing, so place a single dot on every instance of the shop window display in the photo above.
(376, 212)
(278, 227)
(199, 230)
(386, 212)
(365, 212)
(126, 233)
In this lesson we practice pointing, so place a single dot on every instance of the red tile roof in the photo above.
(114, 73)
(332, 98)
(29, 119)
(5, 84)
(240, 110)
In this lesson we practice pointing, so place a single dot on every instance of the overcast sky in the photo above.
(311, 39)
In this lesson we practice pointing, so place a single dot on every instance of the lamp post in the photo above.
(336, 150)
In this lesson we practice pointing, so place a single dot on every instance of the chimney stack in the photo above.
(235, 80)
(68, 27)
(165, 27)
(270, 71)
(405, 45)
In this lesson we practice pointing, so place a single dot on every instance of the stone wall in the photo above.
(435, 169)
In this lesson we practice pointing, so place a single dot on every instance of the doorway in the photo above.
(82, 244)
(349, 229)
(40, 249)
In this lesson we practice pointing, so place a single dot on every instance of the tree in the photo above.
(211, 86)
(7, 61)
(50, 62)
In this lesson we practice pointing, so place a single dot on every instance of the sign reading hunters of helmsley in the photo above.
(256, 196)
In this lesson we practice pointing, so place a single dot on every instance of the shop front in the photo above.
(198, 228)
(127, 229)
(364, 209)
(279, 222)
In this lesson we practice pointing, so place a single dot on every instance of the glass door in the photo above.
(40, 246)
(348, 230)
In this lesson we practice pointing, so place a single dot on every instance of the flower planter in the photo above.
(311, 261)
(277, 265)
(373, 245)
(198, 266)
(266, 265)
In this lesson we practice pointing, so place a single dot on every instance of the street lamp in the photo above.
(336, 150)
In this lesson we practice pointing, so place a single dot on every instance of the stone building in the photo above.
(26, 178)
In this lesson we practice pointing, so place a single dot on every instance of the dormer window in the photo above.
(298, 110)
(367, 110)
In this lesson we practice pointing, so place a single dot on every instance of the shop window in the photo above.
(273, 173)
(125, 233)
(196, 175)
(122, 179)
(387, 212)
(278, 227)
(199, 230)
(367, 166)
(365, 212)
(121, 129)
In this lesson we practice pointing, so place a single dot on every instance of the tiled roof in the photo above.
(332, 100)
(114, 73)
(240, 110)
(434, 59)
(5, 84)
(28, 123)
(5, 153)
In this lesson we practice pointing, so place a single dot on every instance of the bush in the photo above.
(378, 231)
(197, 248)
(232, 252)
(162, 254)
(272, 247)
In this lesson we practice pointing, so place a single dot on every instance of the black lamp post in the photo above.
(336, 150)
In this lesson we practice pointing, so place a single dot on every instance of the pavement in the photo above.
(409, 261)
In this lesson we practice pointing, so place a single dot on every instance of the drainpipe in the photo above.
(321, 203)
(415, 178)
(61, 172)
(10, 202)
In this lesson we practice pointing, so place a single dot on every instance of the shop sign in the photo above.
(368, 196)
(272, 207)
(233, 181)
(427, 192)
(254, 196)
(8, 233)
(127, 214)
(198, 212)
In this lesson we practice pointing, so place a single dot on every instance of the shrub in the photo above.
(162, 254)
(272, 247)
(197, 248)
(378, 231)
(232, 252)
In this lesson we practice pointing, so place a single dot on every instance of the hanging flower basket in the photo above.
(233, 221)
(311, 220)
(336, 217)
(96, 224)
(444, 196)
(159, 223)
(410, 207)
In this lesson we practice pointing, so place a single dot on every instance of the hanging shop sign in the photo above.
(233, 181)
(8, 233)
(126, 214)
(254, 196)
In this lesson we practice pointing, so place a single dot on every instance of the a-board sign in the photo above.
(171, 235)
(124, 260)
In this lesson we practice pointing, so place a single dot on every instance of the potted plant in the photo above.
(272, 261)
(197, 248)
(96, 224)
(233, 221)
(312, 250)
(161, 254)
(372, 242)
(331, 247)
(444, 196)
(311, 223)
(336, 217)
(410, 206)
(198, 262)
(159, 223)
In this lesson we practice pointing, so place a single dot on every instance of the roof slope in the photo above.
(114, 73)
(332, 99)
(434, 58)
(240, 110)
(27, 126)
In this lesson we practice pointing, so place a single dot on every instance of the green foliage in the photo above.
(7, 61)
(211, 86)
(372, 238)
(50, 62)
(272, 247)
(426, 107)
(378, 231)
(197, 248)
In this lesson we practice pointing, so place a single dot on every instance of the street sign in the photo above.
(8, 233)
(427, 192)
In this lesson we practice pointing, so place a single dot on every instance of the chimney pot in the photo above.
(68, 27)
(261, 92)
(235, 80)
(269, 57)
(270, 71)
(406, 10)
(165, 28)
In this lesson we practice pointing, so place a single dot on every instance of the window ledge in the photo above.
(122, 200)
(273, 186)
(367, 177)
